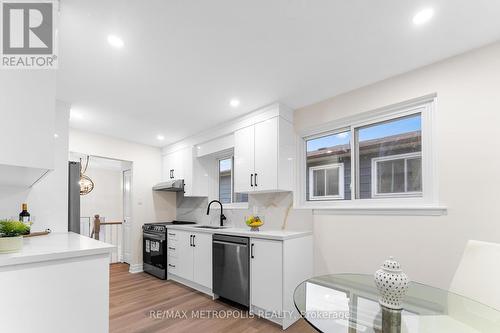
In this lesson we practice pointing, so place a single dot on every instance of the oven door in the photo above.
(154, 254)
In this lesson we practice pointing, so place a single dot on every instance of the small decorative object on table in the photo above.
(11, 235)
(392, 284)
(254, 222)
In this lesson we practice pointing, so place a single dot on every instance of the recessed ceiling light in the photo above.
(160, 137)
(234, 103)
(115, 41)
(56, 135)
(423, 16)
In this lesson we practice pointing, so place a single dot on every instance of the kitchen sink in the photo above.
(209, 227)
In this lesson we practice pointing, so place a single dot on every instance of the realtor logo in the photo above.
(28, 35)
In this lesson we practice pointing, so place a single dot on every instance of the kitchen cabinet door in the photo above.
(266, 155)
(202, 270)
(266, 270)
(244, 144)
(167, 166)
(184, 251)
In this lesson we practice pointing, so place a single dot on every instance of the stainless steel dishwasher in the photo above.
(231, 267)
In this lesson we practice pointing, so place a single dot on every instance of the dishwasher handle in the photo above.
(251, 251)
(229, 243)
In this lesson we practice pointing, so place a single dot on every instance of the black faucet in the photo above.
(222, 217)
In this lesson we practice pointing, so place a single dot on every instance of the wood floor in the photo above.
(136, 299)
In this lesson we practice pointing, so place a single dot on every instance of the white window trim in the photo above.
(427, 204)
(232, 205)
(340, 167)
(404, 157)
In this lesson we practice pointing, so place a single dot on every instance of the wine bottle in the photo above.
(24, 216)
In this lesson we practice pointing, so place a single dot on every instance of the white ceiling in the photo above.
(184, 60)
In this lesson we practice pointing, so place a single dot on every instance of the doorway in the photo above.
(104, 205)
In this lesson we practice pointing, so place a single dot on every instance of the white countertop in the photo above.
(54, 246)
(265, 234)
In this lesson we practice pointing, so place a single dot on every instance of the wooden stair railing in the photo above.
(97, 226)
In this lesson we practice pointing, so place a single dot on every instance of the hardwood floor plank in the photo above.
(136, 298)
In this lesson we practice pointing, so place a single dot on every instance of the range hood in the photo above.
(175, 185)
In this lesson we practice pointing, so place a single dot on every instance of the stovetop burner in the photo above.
(162, 226)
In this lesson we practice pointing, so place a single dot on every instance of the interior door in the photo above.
(202, 271)
(184, 254)
(127, 216)
(266, 269)
(266, 155)
(244, 150)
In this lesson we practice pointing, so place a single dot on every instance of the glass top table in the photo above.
(348, 303)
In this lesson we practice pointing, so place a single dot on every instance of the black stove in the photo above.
(154, 247)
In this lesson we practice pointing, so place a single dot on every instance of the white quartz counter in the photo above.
(264, 234)
(54, 246)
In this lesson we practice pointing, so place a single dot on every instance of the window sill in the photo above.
(433, 210)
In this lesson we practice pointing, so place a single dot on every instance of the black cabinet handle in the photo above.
(191, 240)
(170, 265)
(171, 234)
(171, 248)
(255, 179)
(194, 237)
(251, 179)
(173, 175)
(251, 251)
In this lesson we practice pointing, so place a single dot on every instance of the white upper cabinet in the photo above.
(244, 166)
(263, 143)
(264, 155)
(28, 127)
(182, 164)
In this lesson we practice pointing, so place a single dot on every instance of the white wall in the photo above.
(107, 197)
(147, 206)
(48, 199)
(468, 145)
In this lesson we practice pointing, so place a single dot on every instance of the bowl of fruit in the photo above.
(254, 222)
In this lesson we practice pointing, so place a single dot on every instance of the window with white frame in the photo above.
(326, 182)
(226, 182)
(376, 156)
(397, 175)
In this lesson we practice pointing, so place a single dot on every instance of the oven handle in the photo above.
(153, 236)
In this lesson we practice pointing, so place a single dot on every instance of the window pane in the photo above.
(319, 183)
(225, 179)
(324, 151)
(332, 181)
(414, 174)
(391, 176)
(393, 138)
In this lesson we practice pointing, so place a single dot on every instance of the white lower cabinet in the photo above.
(266, 270)
(276, 269)
(202, 272)
(190, 256)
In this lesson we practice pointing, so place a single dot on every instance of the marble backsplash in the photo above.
(271, 207)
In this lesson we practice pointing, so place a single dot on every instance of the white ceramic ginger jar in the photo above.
(392, 284)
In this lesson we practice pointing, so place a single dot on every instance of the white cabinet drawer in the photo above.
(172, 251)
(172, 235)
(172, 265)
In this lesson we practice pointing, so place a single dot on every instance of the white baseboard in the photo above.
(135, 268)
(191, 284)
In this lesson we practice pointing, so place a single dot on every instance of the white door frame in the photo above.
(127, 215)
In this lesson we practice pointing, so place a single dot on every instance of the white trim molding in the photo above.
(424, 203)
